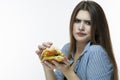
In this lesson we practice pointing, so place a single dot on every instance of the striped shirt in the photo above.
(93, 64)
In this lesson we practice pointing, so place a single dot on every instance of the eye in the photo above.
(88, 22)
(77, 21)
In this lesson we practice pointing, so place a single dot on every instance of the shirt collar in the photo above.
(85, 49)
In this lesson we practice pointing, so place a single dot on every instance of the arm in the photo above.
(99, 65)
(66, 70)
(49, 74)
(70, 75)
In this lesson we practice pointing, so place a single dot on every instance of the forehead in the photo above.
(83, 15)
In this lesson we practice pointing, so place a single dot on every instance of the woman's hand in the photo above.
(43, 47)
(63, 67)
(55, 65)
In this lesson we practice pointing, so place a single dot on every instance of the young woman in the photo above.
(89, 52)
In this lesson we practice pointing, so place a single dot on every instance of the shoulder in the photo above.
(97, 49)
(99, 64)
(66, 45)
(99, 54)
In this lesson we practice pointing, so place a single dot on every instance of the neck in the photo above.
(80, 47)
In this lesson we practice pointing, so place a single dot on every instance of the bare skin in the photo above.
(81, 32)
(48, 67)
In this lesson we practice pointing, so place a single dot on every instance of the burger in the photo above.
(52, 53)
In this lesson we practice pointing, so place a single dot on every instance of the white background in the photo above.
(26, 23)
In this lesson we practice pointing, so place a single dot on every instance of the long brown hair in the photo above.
(99, 30)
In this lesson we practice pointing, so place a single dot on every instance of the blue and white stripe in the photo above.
(93, 64)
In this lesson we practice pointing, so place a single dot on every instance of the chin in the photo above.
(82, 40)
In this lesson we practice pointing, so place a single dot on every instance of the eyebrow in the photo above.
(83, 20)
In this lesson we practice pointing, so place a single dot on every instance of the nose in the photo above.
(81, 26)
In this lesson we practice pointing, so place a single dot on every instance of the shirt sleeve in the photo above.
(65, 49)
(99, 66)
(58, 74)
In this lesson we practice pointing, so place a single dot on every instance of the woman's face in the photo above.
(82, 26)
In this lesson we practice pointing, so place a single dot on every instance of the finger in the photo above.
(58, 65)
(46, 66)
(44, 45)
(47, 44)
(67, 62)
(49, 65)
(38, 52)
(50, 43)
(41, 47)
(55, 63)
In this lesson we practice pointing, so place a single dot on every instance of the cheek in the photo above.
(88, 29)
(89, 33)
(75, 27)
(74, 30)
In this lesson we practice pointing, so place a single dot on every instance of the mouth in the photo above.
(81, 34)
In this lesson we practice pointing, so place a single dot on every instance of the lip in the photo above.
(81, 34)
